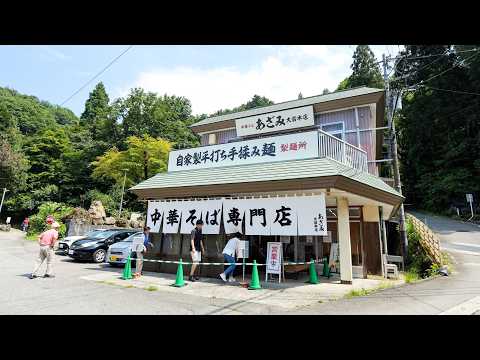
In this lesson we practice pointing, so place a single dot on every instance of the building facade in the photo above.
(322, 152)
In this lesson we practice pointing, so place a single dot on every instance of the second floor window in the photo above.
(335, 129)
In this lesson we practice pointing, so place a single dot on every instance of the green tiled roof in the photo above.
(291, 104)
(286, 170)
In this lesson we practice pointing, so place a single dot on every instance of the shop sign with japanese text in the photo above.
(278, 148)
(275, 121)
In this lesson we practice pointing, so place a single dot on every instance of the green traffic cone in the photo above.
(179, 282)
(313, 273)
(127, 270)
(326, 268)
(255, 283)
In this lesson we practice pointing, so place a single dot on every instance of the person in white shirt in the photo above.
(230, 252)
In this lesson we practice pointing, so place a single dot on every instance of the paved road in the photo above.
(455, 294)
(69, 294)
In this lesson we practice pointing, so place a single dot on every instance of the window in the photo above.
(335, 129)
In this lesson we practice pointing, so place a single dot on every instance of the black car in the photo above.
(95, 247)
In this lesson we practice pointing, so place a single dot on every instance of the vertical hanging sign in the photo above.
(283, 216)
(211, 216)
(311, 215)
(172, 216)
(155, 212)
(233, 215)
(257, 214)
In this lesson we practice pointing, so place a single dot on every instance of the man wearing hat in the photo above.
(46, 240)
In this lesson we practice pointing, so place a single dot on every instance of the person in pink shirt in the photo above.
(46, 240)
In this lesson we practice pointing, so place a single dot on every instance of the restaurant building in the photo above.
(304, 173)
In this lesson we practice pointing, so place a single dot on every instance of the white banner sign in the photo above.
(172, 216)
(271, 149)
(257, 217)
(284, 216)
(155, 215)
(275, 121)
(233, 214)
(311, 215)
(191, 212)
(211, 216)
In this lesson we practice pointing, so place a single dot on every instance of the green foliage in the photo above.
(145, 113)
(143, 158)
(439, 131)
(13, 165)
(58, 210)
(365, 70)
(110, 201)
(255, 102)
(411, 276)
(344, 84)
(417, 261)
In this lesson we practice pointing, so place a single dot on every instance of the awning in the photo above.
(299, 175)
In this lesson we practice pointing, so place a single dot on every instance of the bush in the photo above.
(417, 261)
(107, 200)
(58, 210)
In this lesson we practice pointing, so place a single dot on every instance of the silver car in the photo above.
(117, 253)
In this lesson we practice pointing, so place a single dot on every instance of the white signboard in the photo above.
(469, 198)
(275, 121)
(311, 214)
(271, 149)
(274, 259)
(243, 248)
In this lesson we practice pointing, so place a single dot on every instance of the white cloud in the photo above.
(54, 53)
(280, 76)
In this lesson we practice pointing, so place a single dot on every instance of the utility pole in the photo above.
(393, 151)
(3, 197)
(123, 189)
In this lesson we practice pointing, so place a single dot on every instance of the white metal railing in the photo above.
(341, 151)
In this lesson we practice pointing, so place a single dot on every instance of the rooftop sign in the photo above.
(279, 148)
(275, 121)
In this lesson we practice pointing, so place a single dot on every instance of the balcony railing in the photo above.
(341, 151)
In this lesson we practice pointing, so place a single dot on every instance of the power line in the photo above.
(443, 72)
(97, 75)
(453, 91)
(448, 52)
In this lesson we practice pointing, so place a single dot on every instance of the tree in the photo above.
(95, 117)
(300, 96)
(168, 117)
(325, 91)
(344, 84)
(13, 167)
(365, 70)
(143, 158)
(438, 130)
(255, 102)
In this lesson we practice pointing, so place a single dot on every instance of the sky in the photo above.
(211, 77)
